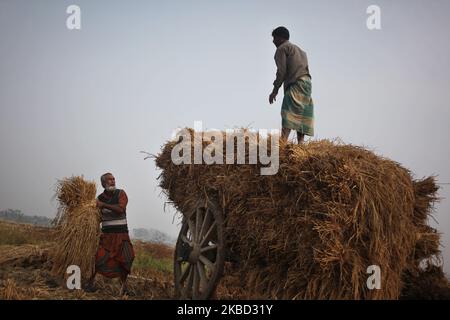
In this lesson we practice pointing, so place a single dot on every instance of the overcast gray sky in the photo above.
(87, 101)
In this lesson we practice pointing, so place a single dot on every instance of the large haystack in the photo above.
(312, 230)
(78, 227)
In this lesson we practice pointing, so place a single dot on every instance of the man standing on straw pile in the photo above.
(297, 110)
(115, 254)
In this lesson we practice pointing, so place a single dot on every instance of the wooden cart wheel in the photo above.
(199, 253)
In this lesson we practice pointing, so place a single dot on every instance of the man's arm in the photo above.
(280, 60)
(117, 208)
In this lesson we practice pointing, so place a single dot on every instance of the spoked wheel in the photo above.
(199, 253)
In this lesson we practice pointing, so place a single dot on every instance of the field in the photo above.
(25, 272)
(25, 269)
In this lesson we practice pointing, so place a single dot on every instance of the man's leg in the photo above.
(124, 288)
(300, 137)
(90, 287)
(285, 134)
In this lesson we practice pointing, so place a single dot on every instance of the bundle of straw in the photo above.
(312, 230)
(78, 226)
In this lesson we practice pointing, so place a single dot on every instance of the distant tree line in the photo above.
(152, 235)
(19, 216)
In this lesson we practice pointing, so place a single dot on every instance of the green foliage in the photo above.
(146, 261)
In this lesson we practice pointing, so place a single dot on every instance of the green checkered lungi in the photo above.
(297, 109)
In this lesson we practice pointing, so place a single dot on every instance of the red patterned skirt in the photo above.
(115, 255)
